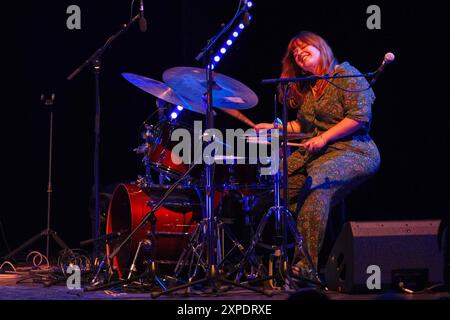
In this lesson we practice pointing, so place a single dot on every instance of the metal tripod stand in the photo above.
(47, 233)
(284, 220)
(149, 273)
(192, 255)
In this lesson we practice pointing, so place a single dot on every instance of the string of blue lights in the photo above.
(230, 40)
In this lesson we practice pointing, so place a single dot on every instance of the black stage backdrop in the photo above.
(410, 116)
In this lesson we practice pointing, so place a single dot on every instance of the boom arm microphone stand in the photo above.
(291, 80)
(95, 60)
(284, 220)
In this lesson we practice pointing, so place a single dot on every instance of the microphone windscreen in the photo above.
(389, 57)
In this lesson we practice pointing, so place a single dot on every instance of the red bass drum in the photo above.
(168, 232)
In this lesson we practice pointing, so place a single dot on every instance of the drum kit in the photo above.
(171, 240)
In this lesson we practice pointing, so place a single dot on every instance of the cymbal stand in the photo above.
(209, 229)
(210, 225)
(195, 249)
(284, 220)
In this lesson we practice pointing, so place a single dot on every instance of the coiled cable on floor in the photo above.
(8, 263)
(6, 277)
(37, 260)
(74, 257)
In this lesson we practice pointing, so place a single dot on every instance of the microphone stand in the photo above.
(290, 80)
(48, 232)
(95, 60)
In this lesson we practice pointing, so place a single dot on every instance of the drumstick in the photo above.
(291, 136)
(238, 115)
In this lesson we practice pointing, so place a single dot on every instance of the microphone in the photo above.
(388, 58)
(142, 21)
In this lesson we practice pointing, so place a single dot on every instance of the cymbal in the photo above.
(228, 93)
(161, 91)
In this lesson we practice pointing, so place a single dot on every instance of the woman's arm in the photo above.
(342, 129)
(294, 126)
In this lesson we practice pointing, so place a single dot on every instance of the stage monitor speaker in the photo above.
(393, 251)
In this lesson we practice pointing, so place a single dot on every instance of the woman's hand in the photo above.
(315, 144)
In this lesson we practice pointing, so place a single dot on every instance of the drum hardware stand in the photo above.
(195, 249)
(222, 230)
(150, 269)
(150, 272)
(107, 238)
(95, 281)
(48, 232)
(210, 223)
(151, 265)
(283, 220)
(192, 251)
(95, 60)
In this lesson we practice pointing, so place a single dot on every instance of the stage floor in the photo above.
(60, 292)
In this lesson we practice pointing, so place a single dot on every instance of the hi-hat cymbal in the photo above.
(228, 93)
(232, 158)
(162, 91)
